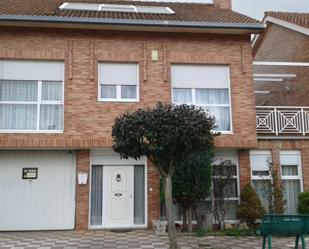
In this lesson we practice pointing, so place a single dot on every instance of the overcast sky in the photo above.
(256, 8)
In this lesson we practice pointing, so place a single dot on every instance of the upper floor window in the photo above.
(207, 86)
(31, 96)
(118, 82)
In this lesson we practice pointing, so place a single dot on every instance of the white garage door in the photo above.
(45, 203)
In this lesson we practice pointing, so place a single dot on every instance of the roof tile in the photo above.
(194, 12)
(301, 19)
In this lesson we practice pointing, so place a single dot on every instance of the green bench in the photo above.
(284, 225)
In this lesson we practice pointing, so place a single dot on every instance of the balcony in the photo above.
(282, 121)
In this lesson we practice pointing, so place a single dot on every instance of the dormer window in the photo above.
(116, 8)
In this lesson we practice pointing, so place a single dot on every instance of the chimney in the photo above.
(223, 4)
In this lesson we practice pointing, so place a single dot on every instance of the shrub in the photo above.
(303, 203)
(238, 232)
(250, 208)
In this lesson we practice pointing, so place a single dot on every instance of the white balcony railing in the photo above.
(282, 120)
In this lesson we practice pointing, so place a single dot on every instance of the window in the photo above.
(116, 8)
(31, 96)
(206, 86)
(118, 82)
(260, 173)
(290, 162)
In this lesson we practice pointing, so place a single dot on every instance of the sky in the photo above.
(256, 8)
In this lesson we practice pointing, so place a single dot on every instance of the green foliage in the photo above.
(192, 179)
(250, 208)
(303, 203)
(166, 134)
(200, 232)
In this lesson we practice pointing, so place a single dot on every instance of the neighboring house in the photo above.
(281, 73)
(67, 69)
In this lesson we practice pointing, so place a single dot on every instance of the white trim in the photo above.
(286, 24)
(282, 23)
(210, 105)
(110, 158)
(281, 63)
(299, 167)
(268, 79)
(38, 104)
(118, 86)
(274, 75)
(261, 92)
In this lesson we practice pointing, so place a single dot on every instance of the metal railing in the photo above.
(282, 120)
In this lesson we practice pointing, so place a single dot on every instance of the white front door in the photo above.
(118, 196)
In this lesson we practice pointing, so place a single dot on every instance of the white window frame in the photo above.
(106, 157)
(118, 87)
(39, 102)
(260, 152)
(193, 100)
(299, 167)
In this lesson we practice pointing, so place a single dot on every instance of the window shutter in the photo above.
(118, 74)
(200, 76)
(32, 70)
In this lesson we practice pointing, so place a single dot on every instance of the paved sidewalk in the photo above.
(138, 239)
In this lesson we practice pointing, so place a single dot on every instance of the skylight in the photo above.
(116, 8)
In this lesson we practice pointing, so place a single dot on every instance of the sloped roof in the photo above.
(190, 12)
(301, 19)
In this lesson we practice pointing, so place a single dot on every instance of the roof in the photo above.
(192, 13)
(301, 19)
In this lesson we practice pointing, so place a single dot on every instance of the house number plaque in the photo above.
(30, 173)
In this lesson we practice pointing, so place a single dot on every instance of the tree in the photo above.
(303, 203)
(191, 183)
(274, 192)
(222, 176)
(166, 134)
(250, 208)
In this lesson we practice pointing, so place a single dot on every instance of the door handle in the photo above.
(118, 194)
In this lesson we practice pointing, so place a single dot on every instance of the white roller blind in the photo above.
(259, 160)
(200, 76)
(31, 70)
(290, 159)
(118, 73)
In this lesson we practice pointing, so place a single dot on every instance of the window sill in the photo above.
(119, 100)
(32, 131)
(224, 132)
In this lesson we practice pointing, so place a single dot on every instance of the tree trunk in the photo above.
(169, 212)
(190, 219)
(184, 220)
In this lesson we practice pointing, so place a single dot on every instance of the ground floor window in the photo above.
(291, 175)
(231, 191)
(260, 161)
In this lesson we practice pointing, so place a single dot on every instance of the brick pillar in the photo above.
(305, 167)
(82, 191)
(244, 167)
(153, 193)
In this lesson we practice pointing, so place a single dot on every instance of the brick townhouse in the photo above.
(281, 73)
(67, 69)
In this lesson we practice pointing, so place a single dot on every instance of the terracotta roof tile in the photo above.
(301, 19)
(192, 12)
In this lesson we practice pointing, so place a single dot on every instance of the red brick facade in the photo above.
(87, 122)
